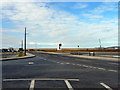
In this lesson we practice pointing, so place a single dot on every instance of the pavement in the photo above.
(55, 71)
(13, 56)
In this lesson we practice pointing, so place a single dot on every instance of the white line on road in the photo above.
(61, 63)
(113, 70)
(32, 85)
(31, 63)
(68, 85)
(114, 63)
(85, 66)
(40, 79)
(106, 86)
(67, 63)
(101, 68)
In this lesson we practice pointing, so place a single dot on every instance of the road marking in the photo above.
(113, 70)
(85, 66)
(114, 63)
(68, 85)
(61, 63)
(32, 85)
(101, 68)
(94, 67)
(67, 63)
(31, 63)
(106, 86)
(24, 79)
(58, 62)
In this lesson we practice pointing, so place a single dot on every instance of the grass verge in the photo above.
(21, 54)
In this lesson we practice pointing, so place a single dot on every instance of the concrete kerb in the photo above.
(15, 58)
(88, 57)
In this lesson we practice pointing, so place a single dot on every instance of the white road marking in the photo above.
(23, 79)
(68, 85)
(114, 63)
(31, 63)
(113, 70)
(67, 63)
(101, 68)
(106, 86)
(61, 63)
(94, 67)
(32, 85)
(73, 64)
(85, 66)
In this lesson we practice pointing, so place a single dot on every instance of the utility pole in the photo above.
(100, 43)
(25, 42)
(22, 44)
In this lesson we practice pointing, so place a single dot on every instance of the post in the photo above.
(25, 43)
(100, 43)
(22, 44)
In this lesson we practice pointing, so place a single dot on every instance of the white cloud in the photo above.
(10, 40)
(92, 16)
(106, 6)
(79, 6)
(47, 26)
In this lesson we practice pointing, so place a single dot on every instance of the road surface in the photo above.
(59, 72)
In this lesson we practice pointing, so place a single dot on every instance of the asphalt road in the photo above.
(51, 71)
(8, 55)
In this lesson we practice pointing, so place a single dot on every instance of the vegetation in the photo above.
(77, 50)
(21, 54)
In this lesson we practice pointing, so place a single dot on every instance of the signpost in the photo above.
(59, 46)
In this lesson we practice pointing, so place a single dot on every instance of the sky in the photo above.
(51, 23)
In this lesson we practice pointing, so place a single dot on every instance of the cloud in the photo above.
(10, 41)
(79, 6)
(105, 6)
(91, 16)
(48, 26)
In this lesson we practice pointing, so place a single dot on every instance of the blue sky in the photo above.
(51, 23)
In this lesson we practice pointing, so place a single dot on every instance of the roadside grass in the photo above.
(76, 50)
(21, 54)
